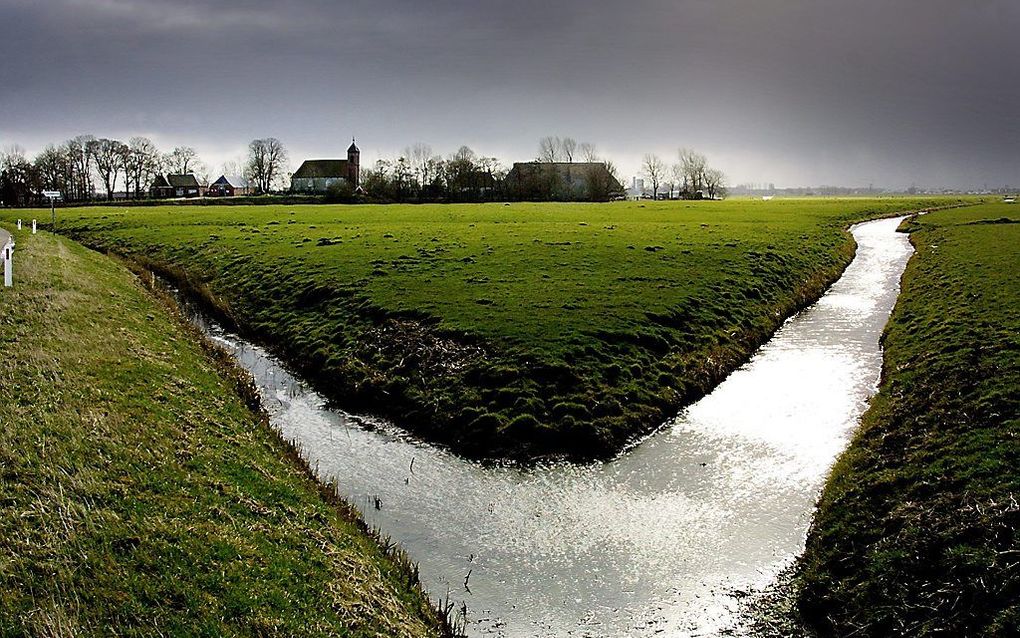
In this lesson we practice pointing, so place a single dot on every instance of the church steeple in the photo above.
(354, 164)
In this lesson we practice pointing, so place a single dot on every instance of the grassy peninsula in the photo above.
(142, 497)
(503, 330)
(917, 529)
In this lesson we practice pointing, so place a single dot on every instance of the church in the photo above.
(316, 176)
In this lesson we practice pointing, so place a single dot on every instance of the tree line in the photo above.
(86, 168)
(690, 177)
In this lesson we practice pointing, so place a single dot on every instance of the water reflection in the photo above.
(655, 542)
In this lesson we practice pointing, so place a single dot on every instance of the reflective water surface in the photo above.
(657, 542)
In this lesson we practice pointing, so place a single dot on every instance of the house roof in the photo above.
(160, 182)
(182, 181)
(322, 168)
(568, 170)
(237, 181)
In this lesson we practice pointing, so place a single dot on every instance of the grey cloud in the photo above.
(791, 91)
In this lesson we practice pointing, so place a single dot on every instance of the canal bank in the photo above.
(141, 496)
(665, 537)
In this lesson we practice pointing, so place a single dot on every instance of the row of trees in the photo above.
(84, 167)
(689, 178)
(420, 174)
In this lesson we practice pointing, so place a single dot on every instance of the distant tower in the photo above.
(354, 165)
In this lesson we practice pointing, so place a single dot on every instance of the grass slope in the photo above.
(140, 496)
(504, 330)
(916, 531)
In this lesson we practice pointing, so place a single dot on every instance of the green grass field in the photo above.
(141, 497)
(917, 529)
(503, 330)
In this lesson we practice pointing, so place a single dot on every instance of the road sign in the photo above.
(52, 194)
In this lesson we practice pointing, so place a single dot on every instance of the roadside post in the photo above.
(53, 196)
(19, 224)
(8, 254)
(33, 226)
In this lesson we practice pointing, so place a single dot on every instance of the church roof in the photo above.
(353, 148)
(322, 168)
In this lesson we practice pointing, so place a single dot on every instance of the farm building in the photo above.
(561, 181)
(230, 186)
(176, 186)
(160, 188)
(316, 176)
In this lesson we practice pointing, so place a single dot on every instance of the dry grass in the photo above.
(142, 496)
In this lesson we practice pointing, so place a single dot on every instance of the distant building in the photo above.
(160, 188)
(230, 186)
(316, 176)
(176, 186)
(561, 181)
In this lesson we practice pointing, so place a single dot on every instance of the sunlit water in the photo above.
(660, 541)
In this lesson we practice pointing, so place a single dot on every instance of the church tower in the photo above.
(354, 165)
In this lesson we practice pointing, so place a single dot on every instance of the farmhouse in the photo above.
(316, 176)
(175, 186)
(561, 181)
(230, 186)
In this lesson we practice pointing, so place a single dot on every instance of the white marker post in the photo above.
(19, 224)
(33, 226)
(8, 254)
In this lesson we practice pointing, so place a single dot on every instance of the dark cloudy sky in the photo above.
(797, 92)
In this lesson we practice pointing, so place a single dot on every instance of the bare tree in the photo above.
(549, 149)
(715, 183)
(108, 156)
(267, 160)
(426, 166)
(53, 166)
(145, 162)
(181, 160)
(653, 168)
(693, 166)
(80, 158)
(568, 147)
(589, 153)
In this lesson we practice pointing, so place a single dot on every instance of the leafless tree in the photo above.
(77, 149)
(108, 157)
(426, 166)
(589, 153)
(693, 166)
(715, 183)
(568, 147)
(267, 160)
(550, 149)
(141, 164)
(54, 169)
(181, 160)
(653, 168)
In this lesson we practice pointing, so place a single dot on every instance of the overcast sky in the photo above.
(796, 92)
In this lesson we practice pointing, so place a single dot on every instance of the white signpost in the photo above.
(53, 196)
(8, 255)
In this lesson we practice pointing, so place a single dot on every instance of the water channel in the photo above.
(660, 541)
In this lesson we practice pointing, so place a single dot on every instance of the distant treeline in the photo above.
(87, 169)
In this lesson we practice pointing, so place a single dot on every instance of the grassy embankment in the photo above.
(503, 330)
(917, 529)
(140, 496)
